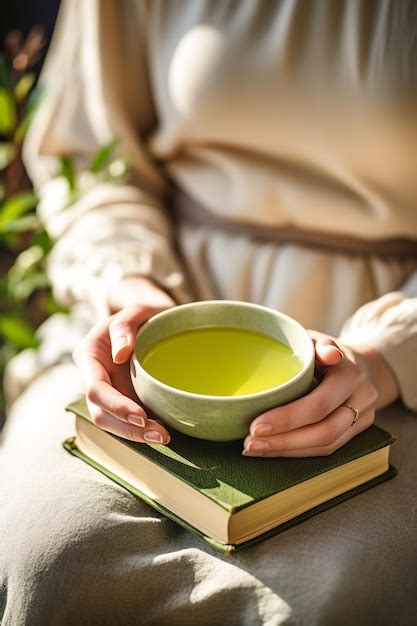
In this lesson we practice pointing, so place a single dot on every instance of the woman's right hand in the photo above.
(103, 359)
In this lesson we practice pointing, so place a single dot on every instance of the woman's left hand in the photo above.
(320, 422)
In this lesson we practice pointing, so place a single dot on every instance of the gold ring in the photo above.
(354, 411)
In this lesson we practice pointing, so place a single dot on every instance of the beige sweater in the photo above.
(299, 118)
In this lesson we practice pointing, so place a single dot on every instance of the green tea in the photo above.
(221, 361)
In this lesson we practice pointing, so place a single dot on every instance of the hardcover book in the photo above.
(230, 500)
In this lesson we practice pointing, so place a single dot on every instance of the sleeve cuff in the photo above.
(92, 282)
(389, 325)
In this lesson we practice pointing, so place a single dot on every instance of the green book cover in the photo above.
(220, 472)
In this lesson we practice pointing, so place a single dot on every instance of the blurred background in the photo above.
(23, 15)
(25, 298)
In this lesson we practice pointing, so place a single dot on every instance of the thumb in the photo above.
(328, 352)
(123, 330)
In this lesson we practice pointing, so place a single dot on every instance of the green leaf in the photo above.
(16, 206)
(26, 262)
(5, 72)
(21, 130)
(24, 85)
(7, 112)
(27, 274)
(103, 156)
(6, 154)
(35, 98)
(68, 172)
(9, 240)
(43, 240)
(22, 289)
(17, 332)
(20, 225)
(52, 307)
(7, 352)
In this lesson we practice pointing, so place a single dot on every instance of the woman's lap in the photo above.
(75, 548)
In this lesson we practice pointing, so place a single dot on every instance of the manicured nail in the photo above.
(153, 436)
(137, 420)
(257, 446)
(118, 344)
(248, 453)
(262, 430)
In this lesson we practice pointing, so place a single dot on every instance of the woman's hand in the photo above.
(103, 359)
(320, 423)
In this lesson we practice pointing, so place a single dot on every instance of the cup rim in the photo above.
(210, 397)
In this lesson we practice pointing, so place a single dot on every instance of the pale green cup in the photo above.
(219, 418)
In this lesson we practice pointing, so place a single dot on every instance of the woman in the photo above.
(272, 149)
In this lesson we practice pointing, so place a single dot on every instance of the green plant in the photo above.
(26, 299)
(21, 236)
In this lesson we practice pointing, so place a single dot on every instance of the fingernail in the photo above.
(261, 430)
(256, 446)
(118, 344)
(249, 453)
(339, 351)
(137, 420)
(153, 436)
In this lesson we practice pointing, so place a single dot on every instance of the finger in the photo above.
(90, 368)
(123, 330)
(96, 346)
(153, 433)
(362, 424)
(101, 395)
(110, 400)
(321, 434)
(336, 387)
(121, 380)
(327, 351)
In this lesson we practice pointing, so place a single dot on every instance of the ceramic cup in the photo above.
(219, 418)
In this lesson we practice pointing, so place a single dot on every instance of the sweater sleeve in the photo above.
(97, 88)
(389, 325)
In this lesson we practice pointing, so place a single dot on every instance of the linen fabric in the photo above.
(75, 548)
